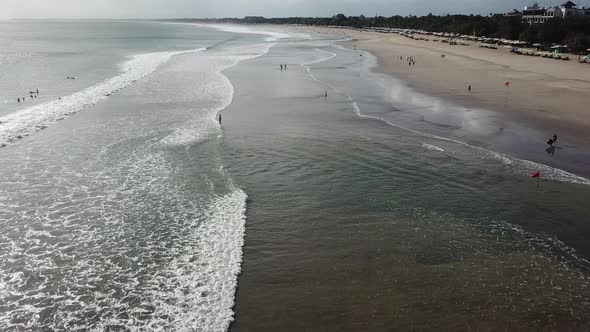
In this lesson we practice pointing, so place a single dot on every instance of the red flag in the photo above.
(536, 175)
(507, 84)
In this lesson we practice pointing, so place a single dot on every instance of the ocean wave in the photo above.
(23, 123)
(133, 248)
(274, 35)
(211, 279)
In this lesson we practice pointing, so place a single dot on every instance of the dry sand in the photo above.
(553, 94)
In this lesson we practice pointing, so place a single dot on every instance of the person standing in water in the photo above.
(554, 138)
(18, 99)
(469, 88)
(219, 118)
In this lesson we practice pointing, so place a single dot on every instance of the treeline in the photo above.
(573, 32)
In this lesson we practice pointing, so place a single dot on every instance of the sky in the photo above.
(118, 9)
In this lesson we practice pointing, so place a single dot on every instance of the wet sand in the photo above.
(550, 94)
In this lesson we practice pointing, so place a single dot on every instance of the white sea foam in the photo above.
(326, 56)
(432, 147)
(29, 120)
(205, 291)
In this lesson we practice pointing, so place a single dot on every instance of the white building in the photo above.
(535, 14)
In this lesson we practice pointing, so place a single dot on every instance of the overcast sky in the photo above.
(15, 9)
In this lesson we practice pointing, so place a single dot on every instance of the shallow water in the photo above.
(357, 224)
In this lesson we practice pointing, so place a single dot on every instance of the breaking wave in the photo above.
(29, 120)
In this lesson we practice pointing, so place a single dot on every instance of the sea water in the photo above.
(123, 201)
(116, 208)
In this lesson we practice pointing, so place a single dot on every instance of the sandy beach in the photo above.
(552, 94)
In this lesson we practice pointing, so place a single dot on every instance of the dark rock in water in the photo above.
(19, 137)
(109, 94)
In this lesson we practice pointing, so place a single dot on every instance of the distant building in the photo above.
(535, 14)
(513, 13)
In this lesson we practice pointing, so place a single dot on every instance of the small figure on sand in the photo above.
(219, 118)
(469, 88)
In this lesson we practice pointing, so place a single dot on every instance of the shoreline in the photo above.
(543, 93)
